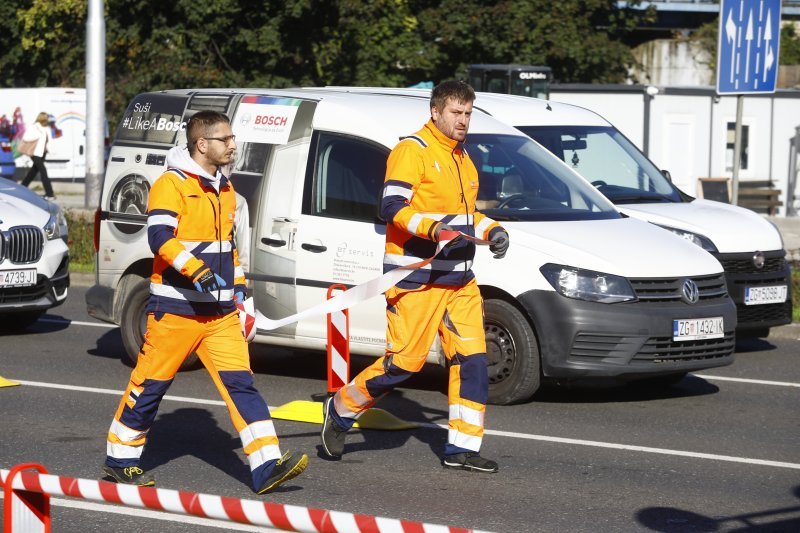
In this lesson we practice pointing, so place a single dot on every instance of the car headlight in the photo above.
(588, 285)
(695, 238)
(56, 227)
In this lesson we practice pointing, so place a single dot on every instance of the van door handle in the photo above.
(316, 248)
(273, 242)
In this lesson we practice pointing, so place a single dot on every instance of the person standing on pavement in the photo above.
(431, 186)
(39, 132)
(196, 282)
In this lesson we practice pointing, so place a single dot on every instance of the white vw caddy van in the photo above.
(584, 290)
(749, 247)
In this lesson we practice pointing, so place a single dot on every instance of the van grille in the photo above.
(669, 289)
(742, 263)
(656, 350)
(666, 350)
(769, 313)
(23, 244)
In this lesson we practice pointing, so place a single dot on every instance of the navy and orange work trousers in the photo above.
(415, 317)
(219, 344)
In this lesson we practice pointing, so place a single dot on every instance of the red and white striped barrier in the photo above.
(338, 345)
(285, 517)
(27, 510)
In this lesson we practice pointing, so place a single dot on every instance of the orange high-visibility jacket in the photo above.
(430, 179)
(189, 227)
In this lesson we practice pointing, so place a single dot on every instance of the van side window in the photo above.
(348, 178)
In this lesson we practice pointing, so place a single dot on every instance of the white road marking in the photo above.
(115, 392)
(78, 323)
(155, 515)
(510, 434)
(753, 381)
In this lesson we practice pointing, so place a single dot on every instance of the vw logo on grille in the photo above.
(758, 260)
(690, 292)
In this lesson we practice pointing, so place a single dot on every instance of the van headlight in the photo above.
(56, 227)
(695, 238)
(588, 285)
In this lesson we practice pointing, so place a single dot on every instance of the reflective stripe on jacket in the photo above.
(189, 227)
(430, 178)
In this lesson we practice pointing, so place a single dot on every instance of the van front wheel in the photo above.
(133, 324)
(512, 352)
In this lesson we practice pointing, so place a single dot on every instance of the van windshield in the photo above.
(519, 180)
(608, 160)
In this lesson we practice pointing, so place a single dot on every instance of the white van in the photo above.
(66, 153)
(748, 246)
(584, 291)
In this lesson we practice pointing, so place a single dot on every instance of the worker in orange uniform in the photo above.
(195, 285)
(431, 186)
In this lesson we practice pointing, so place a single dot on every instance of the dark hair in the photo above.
(201, 124)
(459, 91)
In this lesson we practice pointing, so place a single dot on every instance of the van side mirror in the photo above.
(667, 175)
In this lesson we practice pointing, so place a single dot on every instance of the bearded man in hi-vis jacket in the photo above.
(431, 186)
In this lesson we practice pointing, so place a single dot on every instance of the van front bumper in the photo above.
(587, 339)
(741, 274)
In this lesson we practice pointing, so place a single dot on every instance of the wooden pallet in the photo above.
(760, 196)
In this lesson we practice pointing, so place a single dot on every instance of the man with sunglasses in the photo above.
(196, 282)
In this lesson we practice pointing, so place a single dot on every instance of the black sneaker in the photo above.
(130, 475)
(333, 436)
(287, 467)
(470, 461)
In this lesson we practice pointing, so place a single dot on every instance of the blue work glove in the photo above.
(499, 245)
(238, 297)
(206, 280)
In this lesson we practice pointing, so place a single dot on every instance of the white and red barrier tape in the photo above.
(285, 517)
(364, 291)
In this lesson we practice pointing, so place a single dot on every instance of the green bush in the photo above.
(80, 240)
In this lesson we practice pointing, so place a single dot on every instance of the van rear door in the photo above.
(273, 136)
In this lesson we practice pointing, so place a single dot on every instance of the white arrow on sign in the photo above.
(769, 59)
(730, 36)
(749, 38)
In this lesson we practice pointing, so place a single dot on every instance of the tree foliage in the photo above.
(153, 44)
(580, 40)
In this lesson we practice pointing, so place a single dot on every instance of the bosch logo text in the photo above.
(270, 120)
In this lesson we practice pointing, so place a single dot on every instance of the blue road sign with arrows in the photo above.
(747, 50)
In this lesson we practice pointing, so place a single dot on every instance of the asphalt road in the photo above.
(716, 452)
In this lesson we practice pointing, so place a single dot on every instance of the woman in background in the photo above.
(39, 132)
